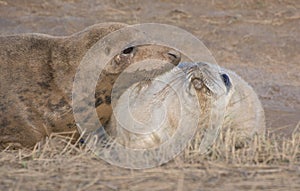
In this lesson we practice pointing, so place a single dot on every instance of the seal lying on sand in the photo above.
(148, 113)
(37, 73)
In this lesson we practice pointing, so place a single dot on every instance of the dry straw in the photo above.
(58, 163)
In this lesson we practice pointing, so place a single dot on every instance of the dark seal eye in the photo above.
(226, 80)
(128, 50)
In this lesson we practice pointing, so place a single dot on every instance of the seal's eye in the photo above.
(128, 50)
(226, 80)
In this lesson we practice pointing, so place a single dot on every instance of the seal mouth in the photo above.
(195, 76)
(197, 82)
(198, 77)
(206, 79)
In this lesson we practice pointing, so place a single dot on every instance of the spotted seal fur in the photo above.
(37, 72)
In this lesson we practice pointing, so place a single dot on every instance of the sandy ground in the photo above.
(260, 40)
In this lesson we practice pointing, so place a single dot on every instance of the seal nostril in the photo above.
(173, 55)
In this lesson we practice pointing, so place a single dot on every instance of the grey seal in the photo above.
(37, 73)
(225, 101)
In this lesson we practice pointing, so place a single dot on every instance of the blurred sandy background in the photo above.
(260, 40)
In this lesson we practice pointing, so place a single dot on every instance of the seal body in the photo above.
(148, 113)
(37, 73)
